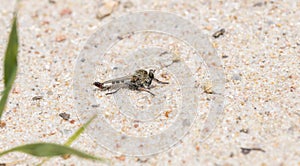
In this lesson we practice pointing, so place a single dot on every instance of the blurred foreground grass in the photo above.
(35, 149)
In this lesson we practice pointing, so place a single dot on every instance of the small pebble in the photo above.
(37, 98)
(67, 132)
(121, 158)
(259, 4)
(244, 131)
(49, 92)
(106, 9)
(219, 33)
(65, 11)
(167, 113)
(66, 156)
(236, 77)
(246, 151)
(207, 87)
(224, 56)
(65, 116)
(120, 37)
(2, 124)
(60, 38)
(95, 105)
(142, 160)
(52, 1)
(128, 4)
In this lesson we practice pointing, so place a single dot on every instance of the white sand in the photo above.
(262, 45)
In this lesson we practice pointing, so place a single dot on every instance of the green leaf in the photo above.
(79, 131)
(10, 64)
(50, 150)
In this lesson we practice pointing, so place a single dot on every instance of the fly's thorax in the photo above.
(134, 78)
(143, 78)
(139, 77)
(147, 82)
(142, 74)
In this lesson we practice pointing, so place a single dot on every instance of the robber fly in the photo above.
(140, 81)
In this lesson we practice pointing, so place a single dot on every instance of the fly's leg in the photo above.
(136, 87)
(132, 86)
(158, 81)
(145, 90)
(109, 93)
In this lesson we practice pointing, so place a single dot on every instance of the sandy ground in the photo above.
(259, 50)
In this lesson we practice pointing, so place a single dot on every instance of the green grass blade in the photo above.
(50, 150)
(79, 131)
(10, 64)
(75, 136)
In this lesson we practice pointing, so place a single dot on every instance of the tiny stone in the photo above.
(2, 124)
(219, 33)
(244, 131)
(236, 77)
(128, 4)
(142, 160)
(258, 4)
(245, 151)
(49, 92)
(60, 38)
(95, 105)
(224, 56)
(121, 158)
(106, 9)
(65, 116)
(66, 156)
(66, 11)
(37, 98)
(52, 1)
(67, 132)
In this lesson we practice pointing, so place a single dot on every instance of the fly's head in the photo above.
(151, 73)
(149, 78)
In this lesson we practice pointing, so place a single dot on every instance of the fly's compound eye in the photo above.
(151, 73)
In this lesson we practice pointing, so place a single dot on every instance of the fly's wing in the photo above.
(121, 80)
